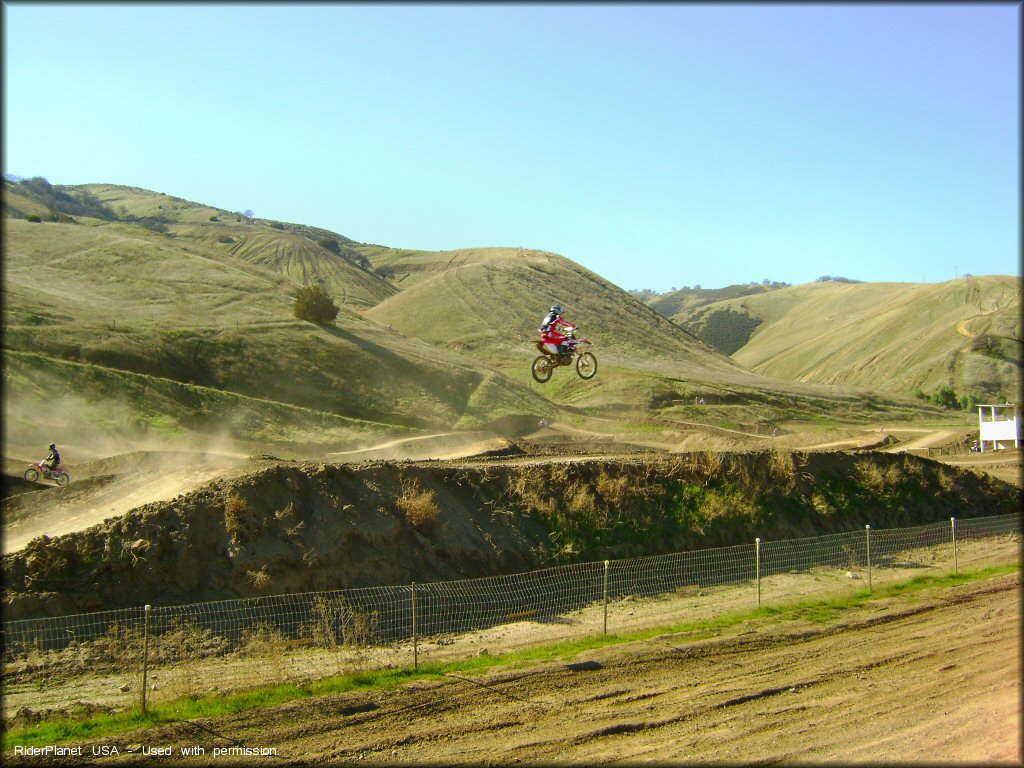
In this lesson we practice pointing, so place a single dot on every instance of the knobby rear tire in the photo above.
(62, 479)
(541, 370)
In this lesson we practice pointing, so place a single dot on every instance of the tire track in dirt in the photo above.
(895, 680)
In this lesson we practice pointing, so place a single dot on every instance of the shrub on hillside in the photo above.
(66, 200)
(724, 329)
(945, 397)
(418, 504)
(330, 244)
(314, 305)
(235, 510)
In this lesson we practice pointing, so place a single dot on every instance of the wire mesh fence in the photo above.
(129, 657)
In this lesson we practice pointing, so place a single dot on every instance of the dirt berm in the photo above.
(295, 527)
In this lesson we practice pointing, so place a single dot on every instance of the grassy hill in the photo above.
(488, 302)
(130, 312)
(897, 337)
(679, 305)
(96, 307)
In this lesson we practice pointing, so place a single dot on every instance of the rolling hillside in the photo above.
(682, 303)
(488, 302)
(137, 315)
(896, 337)
(161, 333)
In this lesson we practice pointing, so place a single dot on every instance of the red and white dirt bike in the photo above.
(544, 366)
(57, 474)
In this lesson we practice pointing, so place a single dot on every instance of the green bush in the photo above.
(945, 397)
(314, 305)
(34, 219)
(724, 329)
(330, 244)
(970, 401)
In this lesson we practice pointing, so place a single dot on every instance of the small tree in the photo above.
(330, 244)
(314, 305)
(945, 396)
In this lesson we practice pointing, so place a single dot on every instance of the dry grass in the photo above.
(335, 623)
(261, 639)
(259, 579)
(235, 510)
(580, 499)
(613, 489)
(947, 479)
(783, 469)
(418, 504)
(821, 504)
(532, 487)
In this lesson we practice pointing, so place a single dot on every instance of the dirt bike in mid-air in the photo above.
(550, 358)
(57, 474)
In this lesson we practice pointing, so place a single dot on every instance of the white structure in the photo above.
(1001, 426)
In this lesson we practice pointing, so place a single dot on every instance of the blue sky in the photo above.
(658, 145)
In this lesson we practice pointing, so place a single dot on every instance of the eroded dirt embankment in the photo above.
(295, 527)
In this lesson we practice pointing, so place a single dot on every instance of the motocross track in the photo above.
(932, 678)
(108, 487)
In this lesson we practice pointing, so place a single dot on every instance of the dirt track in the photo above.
(928, 678)
(112, 486)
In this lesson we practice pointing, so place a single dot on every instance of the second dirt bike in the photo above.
(57, 474)
(551, 358)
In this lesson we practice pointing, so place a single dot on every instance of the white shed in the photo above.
(998, 425)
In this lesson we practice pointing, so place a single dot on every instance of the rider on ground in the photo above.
(557, 330)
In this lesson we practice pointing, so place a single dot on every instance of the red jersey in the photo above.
(558, 331)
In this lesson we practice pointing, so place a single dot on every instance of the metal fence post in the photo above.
(952, 523)
(606, 598)
(415, 647)
(757, 568)
(145, 655)
(867, 540)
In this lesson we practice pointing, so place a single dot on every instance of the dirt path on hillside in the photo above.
(109, 488)
(112, 486)
(961, 327)
(934, 677)
(930, 438)
(441, 445)
(1006, 465)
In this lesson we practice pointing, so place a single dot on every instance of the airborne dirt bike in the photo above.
(544, 366)
(57, 474)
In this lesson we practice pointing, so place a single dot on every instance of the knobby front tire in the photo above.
(586, 365)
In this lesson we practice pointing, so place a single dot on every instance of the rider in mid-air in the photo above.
(557, 330)
(52, 461)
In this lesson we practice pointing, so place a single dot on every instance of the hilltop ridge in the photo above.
(136, 314)
(964, 334)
